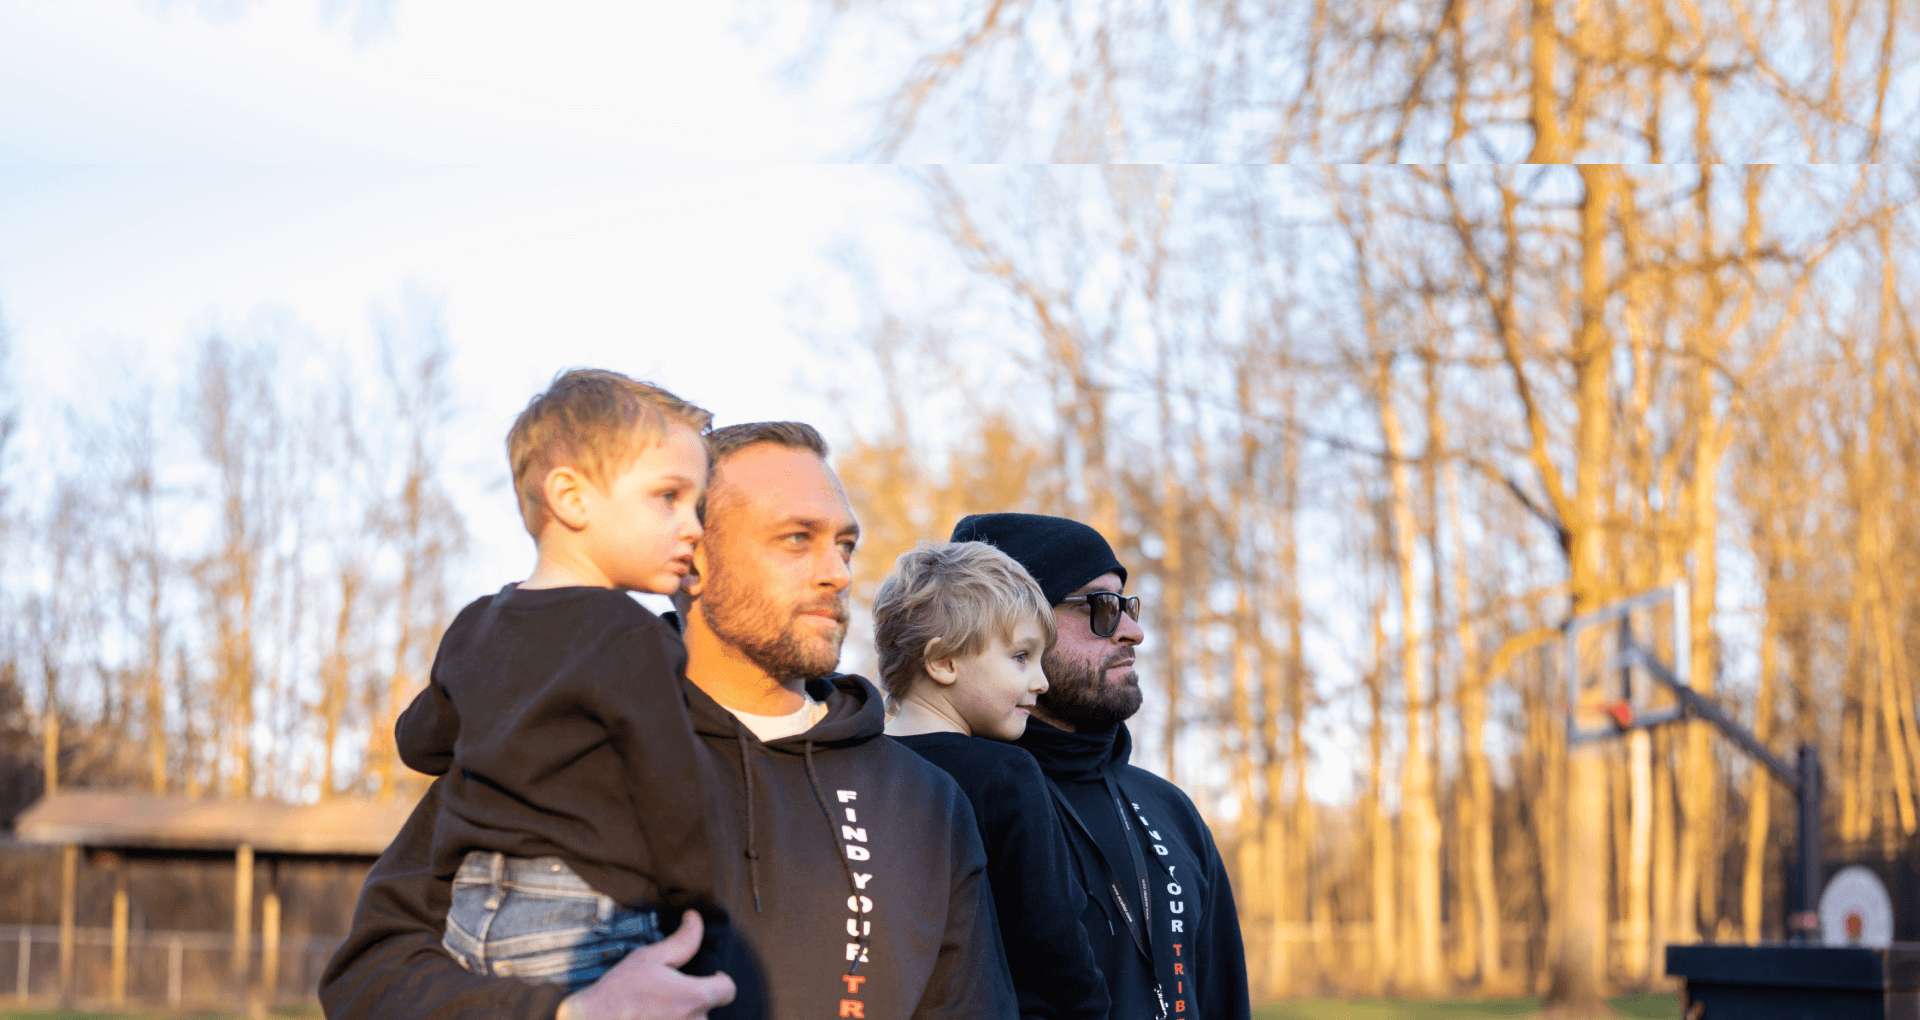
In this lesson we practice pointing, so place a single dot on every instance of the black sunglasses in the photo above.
(1103, 609)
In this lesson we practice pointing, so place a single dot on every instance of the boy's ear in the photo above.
(565, 493)
(942, 669)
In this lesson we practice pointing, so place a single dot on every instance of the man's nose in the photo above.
(835, 573)
(1129, 631)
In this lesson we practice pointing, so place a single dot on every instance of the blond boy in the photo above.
(961, 629)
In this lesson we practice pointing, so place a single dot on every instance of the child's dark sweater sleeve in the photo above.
(425, 732)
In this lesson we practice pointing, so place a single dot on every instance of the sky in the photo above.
(616, 190)
(420, 82)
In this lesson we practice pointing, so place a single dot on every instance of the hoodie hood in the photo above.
(855, 715)
(1084, 754)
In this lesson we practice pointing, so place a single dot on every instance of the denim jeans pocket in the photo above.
(537, 921)
(470, 915)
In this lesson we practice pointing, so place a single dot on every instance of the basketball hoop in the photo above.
(1626, 670)
(1612, 689)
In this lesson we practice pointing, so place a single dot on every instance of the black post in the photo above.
(1626, 662)
(1803, 922)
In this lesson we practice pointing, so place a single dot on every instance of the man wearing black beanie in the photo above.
(1160, 913)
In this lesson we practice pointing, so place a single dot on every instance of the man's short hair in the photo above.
(794, 435)
(950, 599)
(594, 420)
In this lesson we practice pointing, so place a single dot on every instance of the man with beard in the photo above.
(852, 869)
(1160, 911)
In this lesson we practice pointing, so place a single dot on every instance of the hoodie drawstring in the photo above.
(753, 852)
(853, 887)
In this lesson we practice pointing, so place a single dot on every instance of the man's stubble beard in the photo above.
(1077, 695)
(746, 619)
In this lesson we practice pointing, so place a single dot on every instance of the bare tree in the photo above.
(415, 518)
(144, 568)
(344, 650)
(12, 640)
(9, 421)
(235, 417)
(1547, 81)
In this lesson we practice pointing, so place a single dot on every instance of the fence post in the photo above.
(173, 972)
(26, 963)
(242, 915)
(270, 934)
(69, 867)
(119, 931)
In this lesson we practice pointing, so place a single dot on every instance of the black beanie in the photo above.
(1060, 554)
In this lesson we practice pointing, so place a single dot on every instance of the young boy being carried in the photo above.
(961, 628)
(572, 819)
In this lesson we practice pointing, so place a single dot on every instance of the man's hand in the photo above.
(648, 985)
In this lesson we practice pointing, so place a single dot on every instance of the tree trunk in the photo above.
(1665, 843)
(1381, 857)
(1759, 788)
(1419, 821)
(1172, 525)
(156, 695)
(1543, 112)
(1639, 865)
(1700, 843)
(1289, 829)
(333, 701)
(1579, 955)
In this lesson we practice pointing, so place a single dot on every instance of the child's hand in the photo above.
(648, 985)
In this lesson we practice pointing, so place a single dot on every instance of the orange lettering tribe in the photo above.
(1179, 1005)
(1179, 968)
(853, 982)
(1176, 949)
(855, 1010)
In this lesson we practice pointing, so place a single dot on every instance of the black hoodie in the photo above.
(826, 842)
(1038, 893)
(1188, 952)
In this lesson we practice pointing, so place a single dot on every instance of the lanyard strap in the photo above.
(1133, 849)
(1142, 936)
(1121, 805)
(1134, 926)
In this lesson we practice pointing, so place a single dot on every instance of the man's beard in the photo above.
(750, 621)
(1078, 695)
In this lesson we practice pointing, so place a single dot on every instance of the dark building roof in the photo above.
(128, 820)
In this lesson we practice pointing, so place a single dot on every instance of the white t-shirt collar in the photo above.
(770, 728)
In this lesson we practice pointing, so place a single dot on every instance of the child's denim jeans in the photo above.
(534, 919)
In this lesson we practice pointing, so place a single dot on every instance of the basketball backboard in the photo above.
(1620, 661)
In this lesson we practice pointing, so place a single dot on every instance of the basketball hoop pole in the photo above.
(1803, 778)
(1803, 925)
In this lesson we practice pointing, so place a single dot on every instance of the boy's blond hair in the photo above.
(950, 599)
(593, 420)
